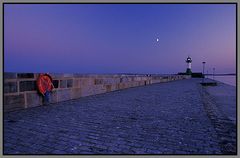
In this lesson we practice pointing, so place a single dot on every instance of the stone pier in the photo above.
(20, 90)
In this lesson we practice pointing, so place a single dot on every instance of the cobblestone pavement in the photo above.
(165, 118)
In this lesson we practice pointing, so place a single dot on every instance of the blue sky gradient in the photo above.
(119, 38)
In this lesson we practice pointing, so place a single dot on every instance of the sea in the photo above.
(227, 79)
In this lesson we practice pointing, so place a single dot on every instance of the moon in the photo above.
(157, 39)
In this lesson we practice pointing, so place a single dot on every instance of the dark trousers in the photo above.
(46, 97)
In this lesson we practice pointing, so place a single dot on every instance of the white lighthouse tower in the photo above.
(189, 62)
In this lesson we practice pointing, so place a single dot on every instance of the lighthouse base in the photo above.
(188, 71)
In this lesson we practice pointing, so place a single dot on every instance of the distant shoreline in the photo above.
(221, 74)
(227, 79)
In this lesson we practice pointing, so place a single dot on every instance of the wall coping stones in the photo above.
(25, 75)
(10, 75)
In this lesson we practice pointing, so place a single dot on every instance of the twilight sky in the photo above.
(119, 38)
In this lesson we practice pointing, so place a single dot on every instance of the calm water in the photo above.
(231, 79)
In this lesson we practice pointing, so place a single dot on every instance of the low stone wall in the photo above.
(20, 90)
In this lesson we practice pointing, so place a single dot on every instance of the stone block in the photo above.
(145, 83)
(53, 97)
(63, 83)
(129, 84)
(109, 88)
(149, 82)
(10, 75)
(121, 86)
(64, 95)
(76, 75)
(10, 87)
(76, 93)
(137, 78)
(113, 87)
(107, 81)
(118, 86)
(158, 81)
(87, 90)
(116, 80)
(87, 82)
(33, 99)
(137, 83)
(98, 81)
(69, 83)
(165, 77)
(142, 83)
(67, 75)
(156, 77)
(13, 102)
(27, 86)
(76, 83)
(36, 75)
(124, 85)
(82, 82)
(25, 75)
(126, 79)
(56, 75)
(98, 89)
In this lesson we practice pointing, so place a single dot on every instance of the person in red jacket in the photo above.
(45, 86)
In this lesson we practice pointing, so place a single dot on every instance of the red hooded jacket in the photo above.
(44, 83)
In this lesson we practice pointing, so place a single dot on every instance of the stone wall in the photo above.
(20, 90)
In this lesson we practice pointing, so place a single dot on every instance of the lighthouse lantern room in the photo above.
(189, 61)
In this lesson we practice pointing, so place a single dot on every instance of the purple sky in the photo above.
(119, 38)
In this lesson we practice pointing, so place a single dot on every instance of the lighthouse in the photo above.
(189, 61)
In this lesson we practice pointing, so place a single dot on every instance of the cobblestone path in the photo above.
(165, 118)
